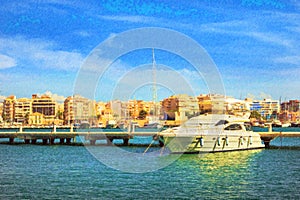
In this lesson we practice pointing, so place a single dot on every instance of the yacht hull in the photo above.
(211, 143)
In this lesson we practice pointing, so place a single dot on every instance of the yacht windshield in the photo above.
(248, 127)
(221, 122)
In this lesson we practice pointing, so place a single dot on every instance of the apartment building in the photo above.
(104, 113)
(134, 107)
(180, 107)
(22, 110)
(117, 108)
(1, 111)
(46, 106)
(290, 111)
(268, 108)
(78, 109)
(8, 109)
(236, 106)
(211, 103)
(291, 106)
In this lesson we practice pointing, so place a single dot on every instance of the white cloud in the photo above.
(295, 60)
(6, 61)
(244, 28)
(56, 97)
(269, 38)
(2, 98)
(57, 59)
(134, 19)
(265, 96)
(40, 54)
(223, 26)
(250, 96)
(82, 33)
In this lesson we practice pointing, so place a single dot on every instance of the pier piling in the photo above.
(11, 140)
(109, 141)
(68, 140)
(45, 141)
(51, 141)
(92, 142)
(126, 141)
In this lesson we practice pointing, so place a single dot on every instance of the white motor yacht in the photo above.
(212, 133)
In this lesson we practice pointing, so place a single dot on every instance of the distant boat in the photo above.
(285, 125)
(278, 123)
(295, 124)
(154, 125)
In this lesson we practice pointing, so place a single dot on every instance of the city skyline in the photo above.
(254, 44)
(60, 99)
(46, 110)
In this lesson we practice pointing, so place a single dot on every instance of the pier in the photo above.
(266, 137)
(31, 137)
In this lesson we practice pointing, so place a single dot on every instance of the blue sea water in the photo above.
(72, 172)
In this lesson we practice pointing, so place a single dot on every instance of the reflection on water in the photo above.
(227, 160)
(221, 161)
(226, 172)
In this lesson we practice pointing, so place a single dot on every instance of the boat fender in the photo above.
(155, 137)
(219, 141)
(250, 140)
(201, 140)
(241, 140)
(226, 141)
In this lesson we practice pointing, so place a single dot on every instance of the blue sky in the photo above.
(255, 45)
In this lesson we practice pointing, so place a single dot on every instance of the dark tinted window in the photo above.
(221, 122)
(248, 126)
(233, 127)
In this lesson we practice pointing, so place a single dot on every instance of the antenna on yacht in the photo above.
(154, 90)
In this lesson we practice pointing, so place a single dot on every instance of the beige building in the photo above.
(8, 109)
(135, 107)
(268, 108)
(117, 108)
(36, 119)
(180, 107)
(211, 103)
(236, 106)
(104, 114)
(78, 109)
(1, 111)
(69, 117)
(22, 110)
(46, 106)
(60, 111)
(290, 111)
